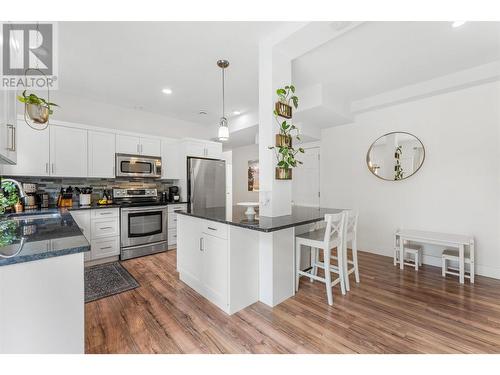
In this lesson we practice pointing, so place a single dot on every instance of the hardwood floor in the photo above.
(388, 312)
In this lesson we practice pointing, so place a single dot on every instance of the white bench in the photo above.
(443, 239)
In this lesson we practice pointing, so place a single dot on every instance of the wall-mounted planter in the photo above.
(283, 110)
(39, 114)
(283, 173)
(283, 140)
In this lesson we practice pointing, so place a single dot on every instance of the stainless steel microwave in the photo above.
(137, 166)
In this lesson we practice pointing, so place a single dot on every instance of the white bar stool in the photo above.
(411, 249)
(453, 255)
(352, 237)
(325, 239)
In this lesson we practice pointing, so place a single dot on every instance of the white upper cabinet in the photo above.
(68, 152)
(150, 146)
(101, 154)
(8, 124)
(170, 160)
(203, 149)
(214, 150)
(33, 157)
(128, 144)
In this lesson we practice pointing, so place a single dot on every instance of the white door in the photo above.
(215, 269)
(101, 154)
(150, 147)
(33, 152)
(305, 181)
(170, 160)
(127, 144)
(213, 150)
(68, 152)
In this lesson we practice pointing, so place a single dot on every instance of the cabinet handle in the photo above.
(201, 244)
(211, 228)
(105, 247)
(10, 147)
(105, 213)
(106, 228)
(53, 168)
(13, 138)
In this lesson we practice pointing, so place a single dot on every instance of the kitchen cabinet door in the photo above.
(213, 150)
(101, 154)
(150, 147)
(127, 144)
(189, 250)
(33, 152)
(68, 152)
(8, 124)
(196, 149)
(170, 160)
(215, 269)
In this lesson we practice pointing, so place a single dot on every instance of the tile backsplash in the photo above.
(52, 185)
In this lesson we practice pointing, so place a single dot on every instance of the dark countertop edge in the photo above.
(51, 254)
(251, 227)
(113, 205)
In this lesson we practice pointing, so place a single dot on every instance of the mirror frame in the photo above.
(386, 134)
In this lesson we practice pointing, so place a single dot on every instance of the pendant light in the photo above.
(223, 133)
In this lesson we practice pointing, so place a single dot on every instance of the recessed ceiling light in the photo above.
(167, 91)
(236, 113)
(457, 23)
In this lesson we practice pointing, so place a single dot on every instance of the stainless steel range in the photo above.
(143, 222)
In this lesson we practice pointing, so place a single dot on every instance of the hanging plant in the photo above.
(38, 109)
(398, 169)
(285, 98)
(284, 151)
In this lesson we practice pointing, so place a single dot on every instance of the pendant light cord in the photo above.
(223, 94)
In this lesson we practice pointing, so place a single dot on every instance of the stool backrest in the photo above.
(352, 221)
(335, 228)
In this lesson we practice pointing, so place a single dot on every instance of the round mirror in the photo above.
(395, 156)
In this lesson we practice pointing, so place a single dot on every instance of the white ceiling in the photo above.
(129, 63)
(376, 57)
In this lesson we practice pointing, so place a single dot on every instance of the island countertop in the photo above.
(53, 234)
(300, 215)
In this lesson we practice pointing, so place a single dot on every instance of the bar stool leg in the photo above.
(355, 258)
(297, 265)
(328, 278)
(345, 269)
(443, 267)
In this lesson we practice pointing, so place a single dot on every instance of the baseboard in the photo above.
(482, 270)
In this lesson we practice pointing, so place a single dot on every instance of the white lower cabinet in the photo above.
(172, 223)
(219, 261)
(101, 228)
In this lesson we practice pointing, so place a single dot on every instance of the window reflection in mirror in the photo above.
(395, 156)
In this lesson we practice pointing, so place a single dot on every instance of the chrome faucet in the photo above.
(22, 194)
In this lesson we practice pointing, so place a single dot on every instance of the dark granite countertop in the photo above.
(236, 216)
(115, 205)
(53, 233)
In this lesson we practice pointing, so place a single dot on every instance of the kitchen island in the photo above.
(233, 261)
(41, 283)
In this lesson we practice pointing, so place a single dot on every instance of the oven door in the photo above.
(143, 225)
(137, 166)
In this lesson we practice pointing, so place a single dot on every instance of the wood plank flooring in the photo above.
(390, 311)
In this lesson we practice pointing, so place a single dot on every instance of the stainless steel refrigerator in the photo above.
(206, 183)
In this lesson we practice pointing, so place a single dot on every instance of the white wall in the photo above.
(74, 108)
(241, 156)
(457, 190)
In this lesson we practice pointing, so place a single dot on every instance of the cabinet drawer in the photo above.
(177, 207)
(105, 247)
(172, 220)
(105, 228)
(214, 228)
(172, 236)
(104, 213)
